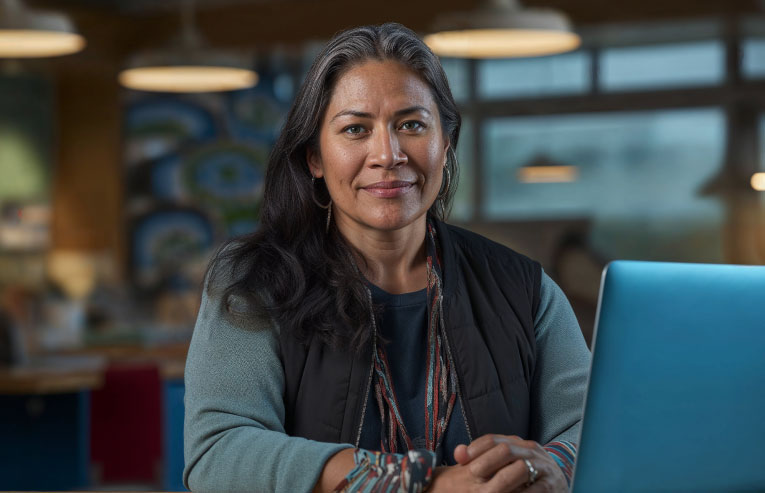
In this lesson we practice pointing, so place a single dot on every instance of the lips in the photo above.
(388, 189)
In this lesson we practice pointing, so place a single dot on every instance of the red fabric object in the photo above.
(126, 425)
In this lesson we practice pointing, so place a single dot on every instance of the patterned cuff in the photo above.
(378, 472)
(564, 454)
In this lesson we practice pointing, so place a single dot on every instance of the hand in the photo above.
(455, 479)
(496, 462)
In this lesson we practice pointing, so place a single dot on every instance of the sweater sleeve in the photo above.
(234, 437)
(560, 377)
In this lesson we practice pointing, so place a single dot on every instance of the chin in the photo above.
(393, 222)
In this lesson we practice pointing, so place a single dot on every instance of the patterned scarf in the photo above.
(441, 379)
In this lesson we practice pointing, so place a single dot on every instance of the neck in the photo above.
(395, 260)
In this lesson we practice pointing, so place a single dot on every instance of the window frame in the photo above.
(742, 100)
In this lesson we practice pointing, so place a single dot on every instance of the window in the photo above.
(535, 77)
(638, 177)
(753, 59)
(662, 66)
(462, 209)
(457, 72)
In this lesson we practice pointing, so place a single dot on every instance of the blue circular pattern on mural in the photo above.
(225, 172)
(228, 174)
(255, 113)
(174, 118)
(166, 178)
(214, 173)
(168, 238)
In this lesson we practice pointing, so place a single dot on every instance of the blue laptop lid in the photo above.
(676, 398)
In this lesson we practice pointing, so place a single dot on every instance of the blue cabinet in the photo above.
(45, 441)
(173, 435)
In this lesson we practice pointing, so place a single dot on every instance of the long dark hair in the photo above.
(291, 269)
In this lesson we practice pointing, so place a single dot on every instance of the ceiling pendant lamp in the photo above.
(502, 29)
(543, 169)
(188, 65)
(28, 33)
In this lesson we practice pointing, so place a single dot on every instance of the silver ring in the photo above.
(533, 472)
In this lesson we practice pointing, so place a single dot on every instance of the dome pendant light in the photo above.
(188, 66)
(503, 29)
(26, 33)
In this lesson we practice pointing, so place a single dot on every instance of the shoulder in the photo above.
(225, 264)
(469, 243)
(473, 260)
(228, 279)
(553, 302)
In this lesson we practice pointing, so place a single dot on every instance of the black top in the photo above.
(403, 325)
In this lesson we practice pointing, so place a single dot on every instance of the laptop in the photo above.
(676, 396)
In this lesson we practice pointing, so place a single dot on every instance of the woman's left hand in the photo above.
(500, 461)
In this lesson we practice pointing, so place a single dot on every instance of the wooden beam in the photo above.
(87, 180)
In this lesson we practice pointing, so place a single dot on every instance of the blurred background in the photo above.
(644, 138)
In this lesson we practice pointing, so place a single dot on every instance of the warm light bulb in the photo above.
(501, 43)
(758, 182)
(547, 174)
(72, 271)
(188, 78)
(28, 43)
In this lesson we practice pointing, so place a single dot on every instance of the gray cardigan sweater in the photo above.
(234, 438)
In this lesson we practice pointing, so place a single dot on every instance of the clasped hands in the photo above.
(495, 463)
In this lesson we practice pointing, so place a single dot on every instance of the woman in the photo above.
(358, 342)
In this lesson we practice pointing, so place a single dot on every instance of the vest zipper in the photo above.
(451, 362)
(371, 369)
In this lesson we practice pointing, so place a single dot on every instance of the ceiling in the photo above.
(116, 28)
(589, 11)
(142, 6)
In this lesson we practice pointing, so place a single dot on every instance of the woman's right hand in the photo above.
(483, 475)
(455, 478)
(494, 464)
(458, 478)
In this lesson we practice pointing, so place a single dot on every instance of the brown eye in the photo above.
(412, 125)
(353, 129)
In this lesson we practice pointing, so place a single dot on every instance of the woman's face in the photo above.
(381, 147)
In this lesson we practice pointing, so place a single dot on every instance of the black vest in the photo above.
(490, 300)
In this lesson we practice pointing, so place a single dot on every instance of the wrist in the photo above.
(386, 472)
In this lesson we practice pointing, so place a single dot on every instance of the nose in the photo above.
(386, 150)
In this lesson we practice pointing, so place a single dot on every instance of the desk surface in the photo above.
(53, 375)
(84, 369)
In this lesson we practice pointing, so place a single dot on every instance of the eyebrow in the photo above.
(361, 114)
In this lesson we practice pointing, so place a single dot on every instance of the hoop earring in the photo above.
(328, 206)
(329, 217)
(313, 195)
(443, 194)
